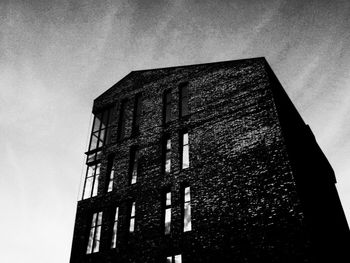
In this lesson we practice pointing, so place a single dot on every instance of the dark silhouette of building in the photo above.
(206, 163)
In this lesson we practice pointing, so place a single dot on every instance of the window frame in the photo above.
(167, 206)
(183, 100)
(134, 161)
(182, 149)
(167, 103)
(187, 203)
(167, 153)
(114, 239)
(110, 173)
(94, 236)
(122, 120)
(132, 217)
(137, 113)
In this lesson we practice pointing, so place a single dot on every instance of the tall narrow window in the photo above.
(110, 173)
(132, 219)
(174, 259)
(134, 164)
(99, 136)
(185, 151)
(115, 229)
(187, 209)
(183, 99)
(137, 114)
(167, 215)
(122, 119)
(95, 234)
(167, 154)
(91, 180)
(167, 106)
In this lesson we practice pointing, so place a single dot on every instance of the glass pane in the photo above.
(187, 217)
(88, 187)
(91, 238)
(102, 138)
(99, 219)
(116, 214)
(94, 217)
(167, 220)
(97, 240)
(105, 119)
(167, 163)
(132, 225)
(184, 108)
(178, 259)
(187, 194)
(185, 157)
(94, 139)
(91, 157)
(96, 181)
(168, 144)
(169, 259)
(134, 176)
(185, 139)
(133, 209)
(168, 199)
(111, 177)
(114, 237)
(97, 122)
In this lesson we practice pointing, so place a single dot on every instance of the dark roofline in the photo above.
(202, 64)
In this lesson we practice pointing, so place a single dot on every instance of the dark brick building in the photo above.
(205, 163)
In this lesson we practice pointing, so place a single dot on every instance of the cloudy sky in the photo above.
(57, 56)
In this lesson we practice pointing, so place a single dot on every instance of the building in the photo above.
(205, 163)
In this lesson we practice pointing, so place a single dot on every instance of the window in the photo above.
(167, 154)
(95, 234)
(91, 180)
(185, 157)
(137, 114)
(110, 173)
(132, 219)
(115, 229)
(174, 259)
(99, 135)
(167, 215)
(121, 123)
(167, 106)
(187, 209)
(183, 99)
(134, 163)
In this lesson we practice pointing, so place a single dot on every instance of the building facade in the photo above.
(205, 163)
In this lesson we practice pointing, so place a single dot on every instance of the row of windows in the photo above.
(93, 245)
(93, 171)
(101, 132)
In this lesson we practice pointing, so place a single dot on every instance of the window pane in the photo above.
(169, 259)
(185, 157)
(178, 259)
(168, 199)
(97, 239)
(168, 162)
(187, 217)
(111, 178)
(94, 217)
(187, 194)
(167, 220)
(99, 219)
(96, 181)
(94, 140)
(185, 139)
(102, 138)
(97, 122)
(91, 238)
(132, 225)
(133, 209)
(114, 238)
(88, 187)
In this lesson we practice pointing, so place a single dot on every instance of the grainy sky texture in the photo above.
(57, 56)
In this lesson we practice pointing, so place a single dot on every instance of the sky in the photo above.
(57, 56)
